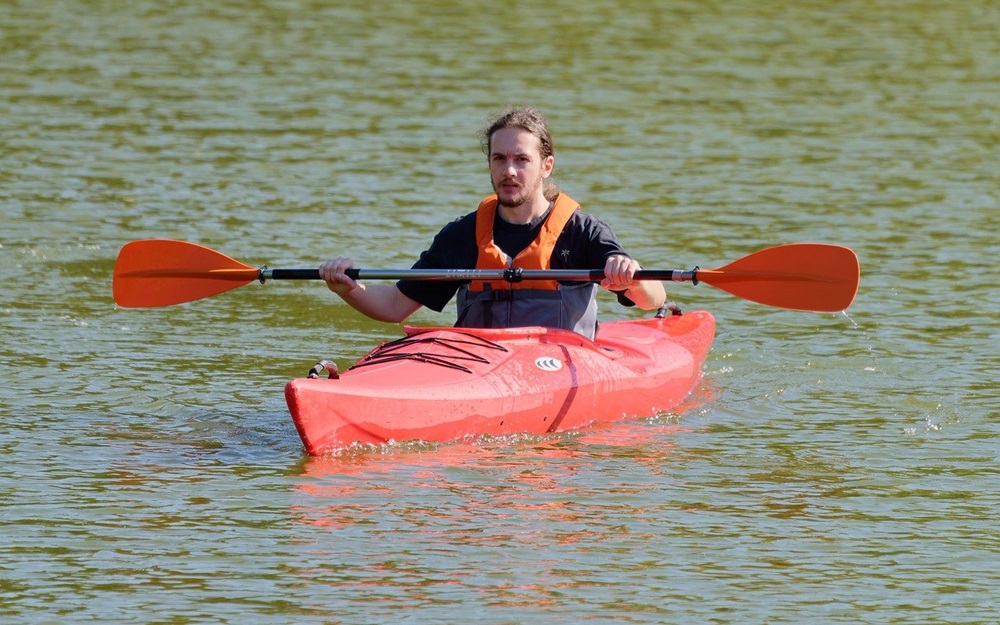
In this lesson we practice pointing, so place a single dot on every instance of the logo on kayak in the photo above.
(547, 363)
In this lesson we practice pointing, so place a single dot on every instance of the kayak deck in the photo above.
(444, 384)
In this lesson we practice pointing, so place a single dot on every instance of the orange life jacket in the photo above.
(538, 255)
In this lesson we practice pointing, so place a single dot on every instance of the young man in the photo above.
(527, 223)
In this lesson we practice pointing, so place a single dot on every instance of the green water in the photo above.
(835, 468)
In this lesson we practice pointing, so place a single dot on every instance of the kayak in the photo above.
(447, 384)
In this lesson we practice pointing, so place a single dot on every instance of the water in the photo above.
(832, 468)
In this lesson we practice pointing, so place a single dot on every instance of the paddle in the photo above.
(800, 276)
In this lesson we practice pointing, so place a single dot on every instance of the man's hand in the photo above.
(333, 273)
(618, 276)
(618, 272)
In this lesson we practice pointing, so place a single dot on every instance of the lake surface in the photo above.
(832, 468)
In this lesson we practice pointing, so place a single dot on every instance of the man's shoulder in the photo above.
(588, 221)
(460, 225)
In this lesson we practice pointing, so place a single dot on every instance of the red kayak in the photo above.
(446, 384)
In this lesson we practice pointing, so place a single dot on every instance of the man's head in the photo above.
(519, 148)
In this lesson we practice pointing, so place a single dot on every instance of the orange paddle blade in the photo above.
(163, 272)
(799, 276)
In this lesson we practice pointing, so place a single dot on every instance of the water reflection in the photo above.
(475, 481)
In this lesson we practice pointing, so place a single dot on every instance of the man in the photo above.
(528, 223)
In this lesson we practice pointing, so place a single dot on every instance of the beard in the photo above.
(519, 197)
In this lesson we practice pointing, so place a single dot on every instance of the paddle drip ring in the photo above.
(322, 365)
(674, 309)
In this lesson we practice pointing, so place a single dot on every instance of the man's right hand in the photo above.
(334, 274)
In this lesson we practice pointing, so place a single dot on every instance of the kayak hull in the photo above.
(445, 384)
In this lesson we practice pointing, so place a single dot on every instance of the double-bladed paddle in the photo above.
(816, 277)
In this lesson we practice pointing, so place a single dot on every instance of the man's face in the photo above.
(517, 168)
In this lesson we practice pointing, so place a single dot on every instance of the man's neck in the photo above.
(525, 213)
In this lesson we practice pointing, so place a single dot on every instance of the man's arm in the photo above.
(382, 302)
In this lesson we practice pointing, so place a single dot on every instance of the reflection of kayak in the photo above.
(442, 384)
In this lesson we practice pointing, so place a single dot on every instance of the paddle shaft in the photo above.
(508, 275)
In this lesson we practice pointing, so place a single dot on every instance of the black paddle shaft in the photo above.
(512, 275)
